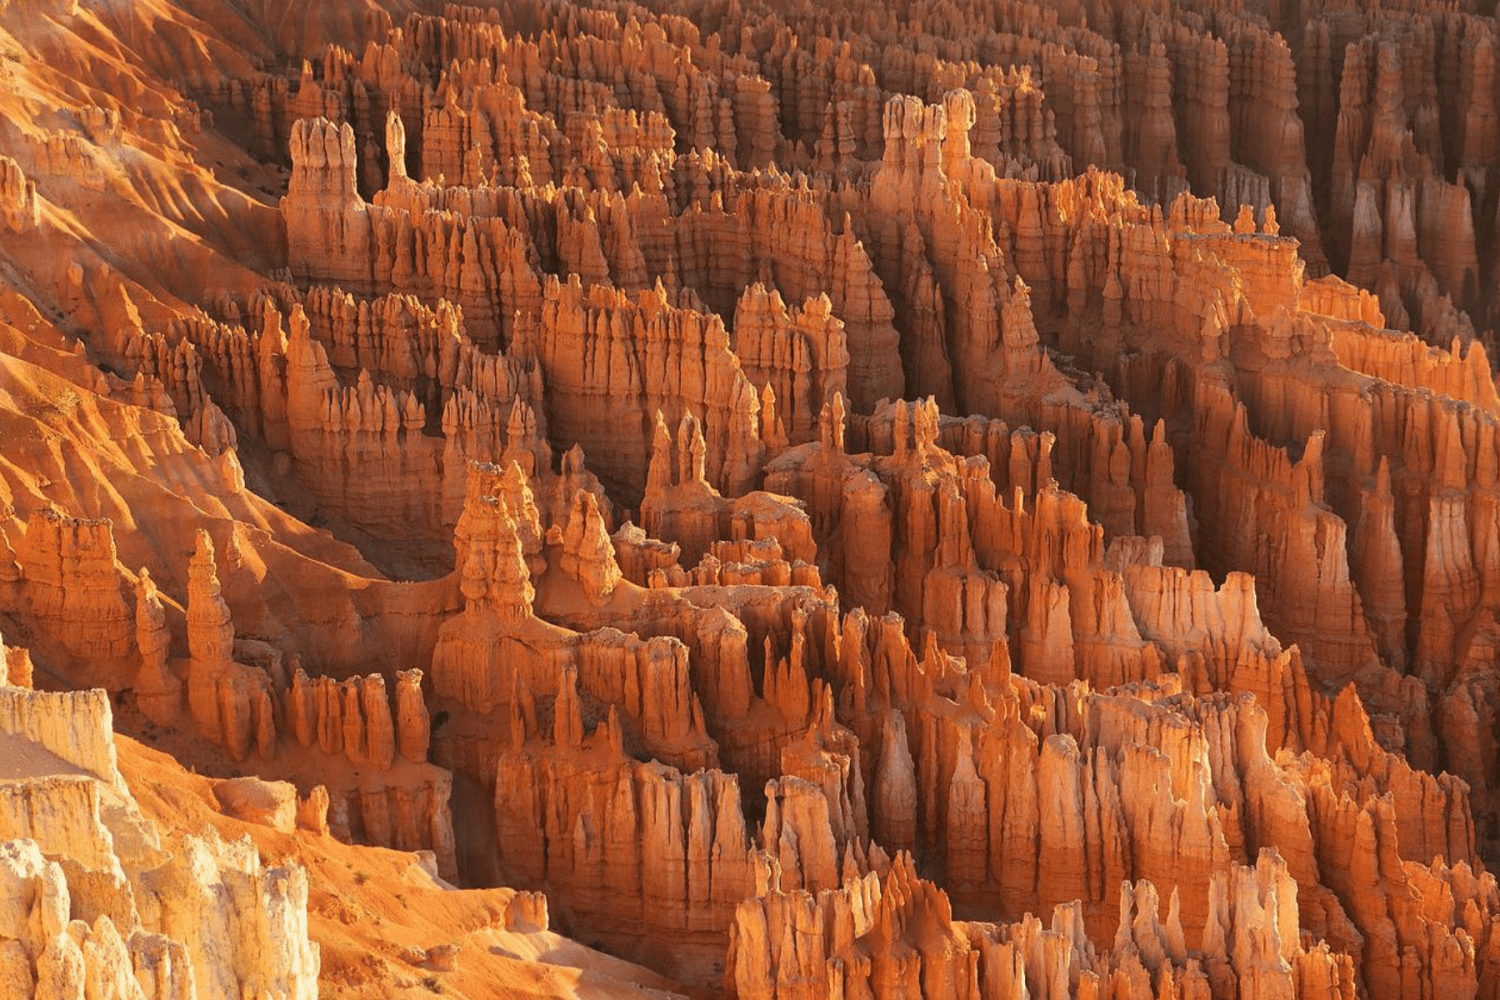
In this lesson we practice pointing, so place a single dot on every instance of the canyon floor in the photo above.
(899, 500)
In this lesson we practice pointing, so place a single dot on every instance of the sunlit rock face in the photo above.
(772, 501)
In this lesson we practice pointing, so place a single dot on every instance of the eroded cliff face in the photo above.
(99, 901)
(948, 500)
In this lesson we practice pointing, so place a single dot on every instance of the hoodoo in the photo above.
(762, 501)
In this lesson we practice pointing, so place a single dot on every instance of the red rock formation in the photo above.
(158, 690)
(18, 198)
(329, 233)
(800, 356)
(230, 703)
(632, 850)
(986, 478)
(71, 586)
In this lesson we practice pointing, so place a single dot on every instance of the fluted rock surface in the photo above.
(881, 500)
(101, 902)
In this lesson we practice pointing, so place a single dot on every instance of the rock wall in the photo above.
(100, 901)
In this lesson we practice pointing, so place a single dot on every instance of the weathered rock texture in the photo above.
(100, 902)
(880, 501)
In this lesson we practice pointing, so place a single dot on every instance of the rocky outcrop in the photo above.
(158, 689)
(636, 851)
(74, 729)
(329, 234)
(413, 724)
(18, 667)
(394, 798)
(500, 655)
(100, 901)
(607, 358)
(1041, 466)
(886, 929)
(230, 703)
(72, 588)
(269, 803)
(18, 200)
(324, 415)
(800, 356)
